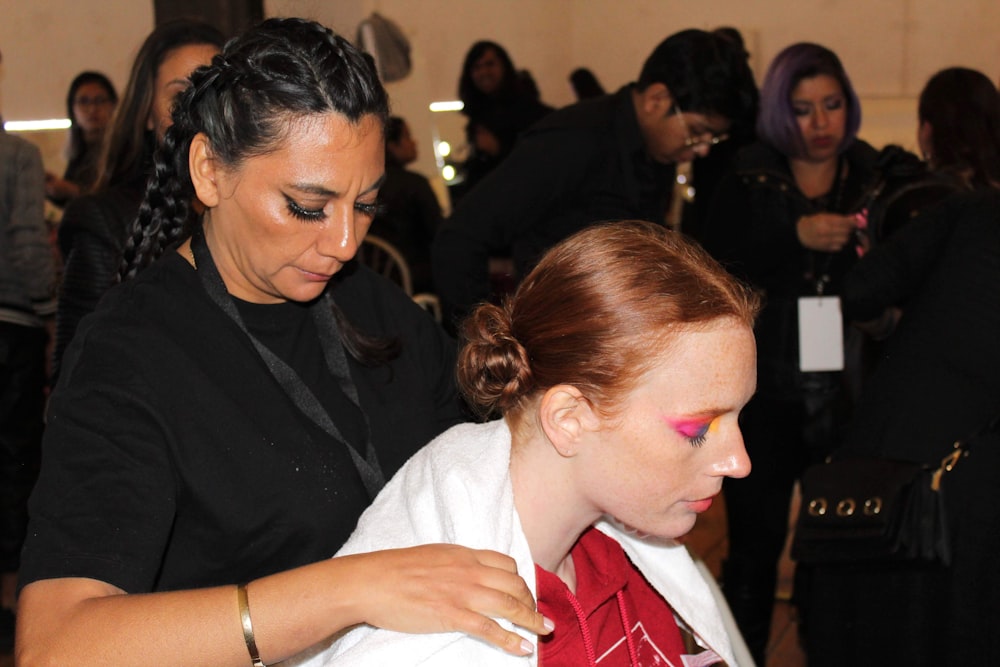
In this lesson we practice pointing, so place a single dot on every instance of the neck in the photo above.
(547, 502)
(814, 179)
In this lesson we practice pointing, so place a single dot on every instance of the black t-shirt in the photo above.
(172, 459)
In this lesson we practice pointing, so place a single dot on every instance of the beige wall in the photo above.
(890, 47)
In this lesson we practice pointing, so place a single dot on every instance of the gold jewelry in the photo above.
(244, 602)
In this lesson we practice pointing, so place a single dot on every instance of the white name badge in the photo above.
(821, 334)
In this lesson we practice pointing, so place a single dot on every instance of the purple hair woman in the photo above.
(783, 220)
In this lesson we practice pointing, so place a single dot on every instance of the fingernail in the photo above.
(527, 647)
(548, 623)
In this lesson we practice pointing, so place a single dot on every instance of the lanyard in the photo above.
(820, 276)
(291, 383)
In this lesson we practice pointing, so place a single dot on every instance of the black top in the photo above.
(409, 216)
(752, 231)
(173, 459)
(91, 237)
(583, 164)
(939, 379)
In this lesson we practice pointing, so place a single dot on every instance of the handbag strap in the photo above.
(333, 351)
(960, 449)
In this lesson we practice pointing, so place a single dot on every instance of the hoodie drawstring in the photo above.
(588, 640)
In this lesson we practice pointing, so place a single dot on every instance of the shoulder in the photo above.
(17, 153)
(589, 116)
(14, 145)
(862, 158)
(455, 489)
(759, 165)
(166, 295)
(106, 214)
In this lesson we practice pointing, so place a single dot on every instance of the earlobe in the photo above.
(566, 417)
(203, 170)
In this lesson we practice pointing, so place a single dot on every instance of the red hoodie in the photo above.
(611, 594)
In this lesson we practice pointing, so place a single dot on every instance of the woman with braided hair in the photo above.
(229, 410)
(619, 367)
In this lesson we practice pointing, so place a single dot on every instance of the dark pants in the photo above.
(782, 437)
(22, 404)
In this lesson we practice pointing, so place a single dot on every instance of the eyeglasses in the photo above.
(99, 101)
(703, 138)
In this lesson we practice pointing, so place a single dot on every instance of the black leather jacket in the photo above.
(752, 230)
(91, 237)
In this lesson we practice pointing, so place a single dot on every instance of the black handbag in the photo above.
(872, 509)
(864, 509)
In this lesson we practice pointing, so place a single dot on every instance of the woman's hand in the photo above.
(449, 588)
(825, 232)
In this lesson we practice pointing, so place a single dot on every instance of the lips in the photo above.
(699, 506)
(822, 142)
(317, 276)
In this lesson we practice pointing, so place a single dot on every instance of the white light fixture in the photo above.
(447, 105)
(35, 125)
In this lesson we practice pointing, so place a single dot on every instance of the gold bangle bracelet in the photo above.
(244, 602)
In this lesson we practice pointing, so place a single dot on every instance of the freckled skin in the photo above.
(646, 473)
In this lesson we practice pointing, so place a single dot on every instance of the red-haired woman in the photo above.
(619, 367)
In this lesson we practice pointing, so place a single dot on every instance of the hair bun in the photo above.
(494, 371)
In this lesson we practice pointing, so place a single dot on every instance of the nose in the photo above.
(820, 118)
(342, 236)
(702, 149)
(734, 460)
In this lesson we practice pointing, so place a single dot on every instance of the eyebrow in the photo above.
(314, 189)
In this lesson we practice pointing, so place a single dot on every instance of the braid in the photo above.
(244, 104)
(165, 212)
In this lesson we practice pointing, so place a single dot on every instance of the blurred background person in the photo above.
(782, 220)
(706, 173)
(93, 228)
(585, 84)
(937, 381)
(607, 158)
(90, 104)
(409, 212)
(27, 284)
(500, 103)
(958, 113)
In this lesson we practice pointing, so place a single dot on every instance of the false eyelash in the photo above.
(302, 213)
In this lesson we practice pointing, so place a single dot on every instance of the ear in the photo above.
(656, 100)
(204, 172)
(925, 139)
(567, 417)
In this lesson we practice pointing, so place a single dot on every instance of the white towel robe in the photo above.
(458, 490)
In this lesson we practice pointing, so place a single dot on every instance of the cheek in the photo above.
(840, 121)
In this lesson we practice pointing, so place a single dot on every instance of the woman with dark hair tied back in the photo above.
(959, 131)
(936, 381)
(783, 219)
(90, 104)
(228, 411)
(93, 228)
(619, 368)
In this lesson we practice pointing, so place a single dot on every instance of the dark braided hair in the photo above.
(244, 103)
